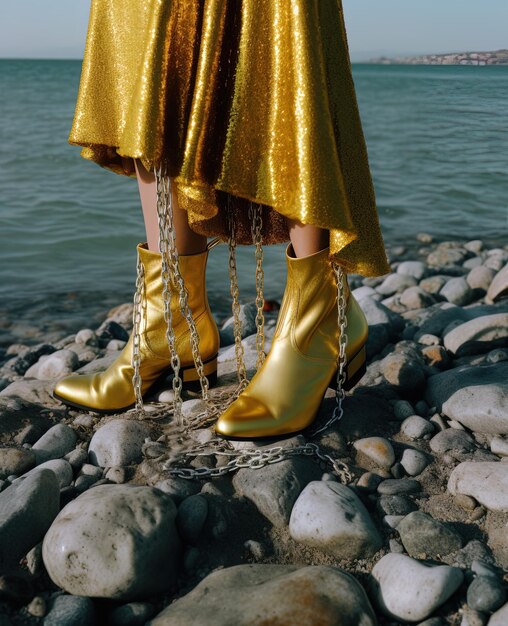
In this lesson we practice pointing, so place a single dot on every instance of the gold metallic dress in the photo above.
(242, 101)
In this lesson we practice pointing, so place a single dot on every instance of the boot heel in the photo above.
(190, 376)
(356, 368)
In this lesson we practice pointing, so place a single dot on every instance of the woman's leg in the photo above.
(307, 239)
(187, 241)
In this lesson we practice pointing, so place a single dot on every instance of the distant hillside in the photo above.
(497, 57)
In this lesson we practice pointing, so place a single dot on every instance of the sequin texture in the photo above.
(242, 100)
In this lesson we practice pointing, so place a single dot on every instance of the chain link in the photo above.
(139, 298)
(256, 219)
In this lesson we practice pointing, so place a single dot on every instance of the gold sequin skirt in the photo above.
(242, 101)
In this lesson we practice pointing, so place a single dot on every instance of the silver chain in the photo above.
(256, 230)
(256, 458)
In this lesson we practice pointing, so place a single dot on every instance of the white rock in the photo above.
(378, 449)
(87, 337)
(118, 442)
(500, 617)
(478, 335)
(406, 589)
(329, 516)
(457, 290)
(114, 541)
(480, 277)
(55, 365)
(416, 427)
(499, 446)
(416, 269)
(499, 285)
(55, 443)
(486, 481)
(414, 461)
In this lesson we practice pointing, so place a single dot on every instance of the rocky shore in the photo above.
(93, 529)
(496, 57)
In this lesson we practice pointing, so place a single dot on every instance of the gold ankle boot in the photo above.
(285, 393)
(112, 390)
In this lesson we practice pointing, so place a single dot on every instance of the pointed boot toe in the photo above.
(243, 419)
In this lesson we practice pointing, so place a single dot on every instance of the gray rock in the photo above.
(416, 427)
(132, 614)
(377, 449)
(395, 505)
(474, 261)
(245, 595)
(478, 335)
(421, 534)
(27, 509)
(395, 283)
(480, 277)
(452, 439)
(114, 541)
(486, 594)
(476, 396)
(416, 269)
(457, 291)
(416, 298)
(191, 518)
(392, 486)
(76, 458)
(376, 313)
(500, 617)
(68, 610)
(55, 443)
(406, 589)
(499, 286)
(15, 461)
(414, 461)
(275, 488)
(60, 468)
(118, 475)
(329, 516)
(118, 442)
(248, 314)
(179, 488)
(486, 481)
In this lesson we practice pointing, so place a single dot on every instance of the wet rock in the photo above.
(487, 482)
(27, 509)
(118, 442)
(406, 589)
(329, 516)
(476, 396)
(244, 595)
(478, 335)
(114, 541)
(421, 534)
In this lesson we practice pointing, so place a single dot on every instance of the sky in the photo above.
(57, 28)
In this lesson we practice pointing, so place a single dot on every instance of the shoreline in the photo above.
(424, 435)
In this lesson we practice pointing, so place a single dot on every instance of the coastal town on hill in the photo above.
(496, 57)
